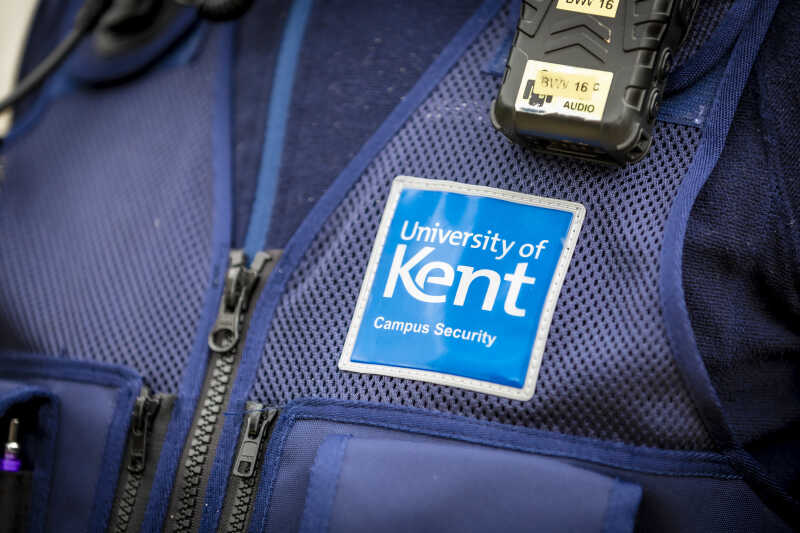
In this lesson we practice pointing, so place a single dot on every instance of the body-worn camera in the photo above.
(585, 77)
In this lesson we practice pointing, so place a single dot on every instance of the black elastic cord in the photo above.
(85, 20)
(42, 70)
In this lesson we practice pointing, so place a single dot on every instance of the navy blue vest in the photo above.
(668, 394)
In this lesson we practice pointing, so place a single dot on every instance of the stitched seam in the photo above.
(678, 454)
(340, 451)
(273, 464)
(79, 371)
(496, 444)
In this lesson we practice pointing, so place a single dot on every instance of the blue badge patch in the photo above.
(461, 286)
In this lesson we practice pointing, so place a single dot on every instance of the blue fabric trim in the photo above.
(45, 456)
(322, 486)
(189, 392)
(296, 248)
(497, 64)
(88, 67)
(623, 503)
(258, 227)
(714, 49)
(690, 106)
(676, 317)
(277, 117)
(129, 385)
(13, 364)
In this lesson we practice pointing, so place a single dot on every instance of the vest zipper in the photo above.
(256, 430)
(148, 426)
(242, 285)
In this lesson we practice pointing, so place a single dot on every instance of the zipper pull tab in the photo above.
(239, 284)
(255, 428)
(144, 411)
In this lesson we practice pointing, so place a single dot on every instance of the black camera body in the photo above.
(585, 78)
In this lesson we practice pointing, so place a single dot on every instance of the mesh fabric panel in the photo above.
(607, 371)
(105, 224)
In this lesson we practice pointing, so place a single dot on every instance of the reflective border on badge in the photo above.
(408, 182)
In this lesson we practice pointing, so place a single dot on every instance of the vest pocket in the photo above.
(83, 455)
(378, 484)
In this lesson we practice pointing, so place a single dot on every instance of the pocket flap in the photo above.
(94, 405)
(371, 484)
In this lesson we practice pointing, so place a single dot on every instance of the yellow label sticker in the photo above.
(553, 89)
(603, 8)
(551, 83)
